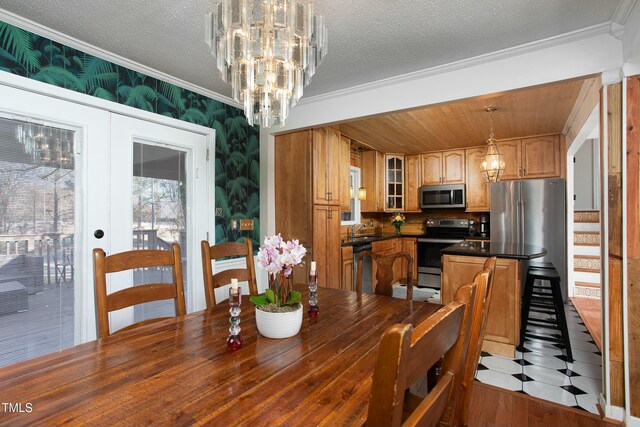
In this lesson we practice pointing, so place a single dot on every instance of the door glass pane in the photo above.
(159, 216)
(37, 228)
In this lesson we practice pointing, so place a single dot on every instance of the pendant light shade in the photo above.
(492, 165)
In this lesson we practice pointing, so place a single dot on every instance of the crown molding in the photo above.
(584, 33)
(59, 37)
(622, 12)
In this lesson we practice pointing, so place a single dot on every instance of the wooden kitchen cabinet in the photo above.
(345, 167)
(294, 209)
(443, 167)
(394, 182)
(511, 152)
(478, 195)
(346, 282)
(502, 334)
(413, 180)
(326, 245)
(326, 163)
(532, 158)
(541, 157)
(373, 180)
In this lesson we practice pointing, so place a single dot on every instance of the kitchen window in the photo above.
(352, 216)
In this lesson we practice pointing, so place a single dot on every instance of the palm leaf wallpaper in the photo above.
(237, 167)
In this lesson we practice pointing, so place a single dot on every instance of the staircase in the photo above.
(586, 257)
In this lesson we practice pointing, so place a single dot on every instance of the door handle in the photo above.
(98, 234)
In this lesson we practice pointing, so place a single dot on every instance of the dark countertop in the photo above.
(364, 239)
(498, 249)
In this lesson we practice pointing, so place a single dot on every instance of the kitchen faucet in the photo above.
(355, 228)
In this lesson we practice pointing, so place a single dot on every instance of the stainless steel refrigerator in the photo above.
(532, 212)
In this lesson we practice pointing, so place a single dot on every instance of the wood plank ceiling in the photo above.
(524, 112)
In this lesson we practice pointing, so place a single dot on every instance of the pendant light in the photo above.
(492, 166)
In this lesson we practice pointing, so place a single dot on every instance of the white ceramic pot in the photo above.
(279, 325)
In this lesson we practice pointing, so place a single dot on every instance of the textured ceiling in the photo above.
(369, 40)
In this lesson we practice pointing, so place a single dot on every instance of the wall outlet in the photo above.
(246, 224)
(234, 224)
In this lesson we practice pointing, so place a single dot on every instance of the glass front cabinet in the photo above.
(394, 188)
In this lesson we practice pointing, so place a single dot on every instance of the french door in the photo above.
(75, 178)
(158, 196)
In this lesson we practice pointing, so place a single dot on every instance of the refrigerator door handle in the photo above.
(522, 222)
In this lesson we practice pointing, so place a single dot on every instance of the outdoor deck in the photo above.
(45, 327)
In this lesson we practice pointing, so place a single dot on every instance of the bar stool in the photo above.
(544, 299)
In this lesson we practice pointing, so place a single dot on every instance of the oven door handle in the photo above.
(452, 241)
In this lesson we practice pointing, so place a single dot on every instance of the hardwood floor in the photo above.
(493, 406)
(590, 311)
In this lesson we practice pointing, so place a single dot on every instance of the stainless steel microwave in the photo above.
(442, 196)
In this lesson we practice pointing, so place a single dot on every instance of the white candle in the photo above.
(234, 284)
(313, 266)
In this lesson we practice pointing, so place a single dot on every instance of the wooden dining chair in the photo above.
(484, 289)
(405, 355)
(384, 272)
(138, 294)
(223, 250)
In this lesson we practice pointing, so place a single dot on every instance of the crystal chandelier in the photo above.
(492, 165)
(46, 145)
(268, 50)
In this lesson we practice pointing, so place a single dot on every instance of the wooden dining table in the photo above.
(180, 372)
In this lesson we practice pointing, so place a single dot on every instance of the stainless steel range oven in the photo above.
(441, 232)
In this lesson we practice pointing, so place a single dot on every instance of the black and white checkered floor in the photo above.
(542, 371)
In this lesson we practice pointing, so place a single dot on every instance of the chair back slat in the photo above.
(138, 294)
(384, 272)
(405, 355)
(139, 258)
(215, 280)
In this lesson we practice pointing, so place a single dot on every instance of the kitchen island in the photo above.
(461, 262)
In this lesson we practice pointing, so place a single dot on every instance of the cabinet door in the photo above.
(478, 197)
(431, 168)
(511, 152)
(541, 157)
(368, 179)
(321, 161)
(453, 167)
(380, 182)
(345, 164)
(333, 271)
(346, 281)
(394, 191)
(324, 242)
(333, 166)
(413, 179)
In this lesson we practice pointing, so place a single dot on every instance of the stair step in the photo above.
(588, 285)
(586, 216)
(586, 226)
(586, 250)
(586, 238)
(586, 263)
(580, 276)
(587, 291)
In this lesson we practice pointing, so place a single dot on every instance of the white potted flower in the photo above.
(279, 310)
